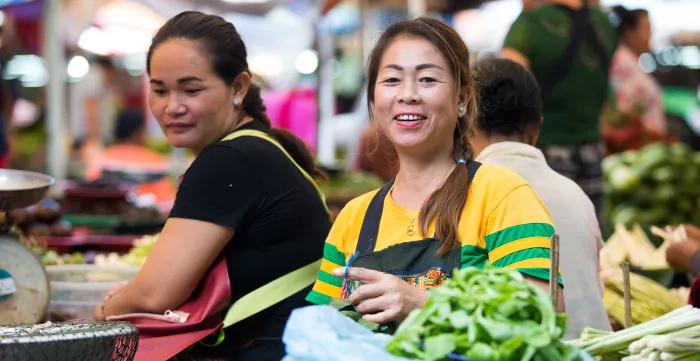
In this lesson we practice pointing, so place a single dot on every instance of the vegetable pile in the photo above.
(488, 315)
(650, 299)
(653, 186)
(137, 254)
(674, 336)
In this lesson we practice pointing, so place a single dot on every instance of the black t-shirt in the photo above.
(279, 220)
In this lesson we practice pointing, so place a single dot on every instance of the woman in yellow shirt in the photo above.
(443, 210)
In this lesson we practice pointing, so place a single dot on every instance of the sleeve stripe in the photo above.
(524, 255)
(514, 233)
(327, 289)
(328, 266)
(318, 298)
(516, 246)
(530, 263)
(331, 253)
(330, 279)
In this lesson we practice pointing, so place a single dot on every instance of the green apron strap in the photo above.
(272, 293)
(262, 135)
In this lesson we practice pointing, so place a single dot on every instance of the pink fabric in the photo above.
(295, 111)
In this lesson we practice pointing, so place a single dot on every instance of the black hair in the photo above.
(509, 97)
(625, 19)
(104, 61)
(129, 121)
(223, 45)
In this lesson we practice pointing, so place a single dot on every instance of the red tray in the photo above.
(103, 243)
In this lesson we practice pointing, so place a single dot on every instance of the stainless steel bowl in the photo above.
(19, 189)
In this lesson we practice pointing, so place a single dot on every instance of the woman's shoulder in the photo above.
(492, 184)
(358, 205)
(496, 178)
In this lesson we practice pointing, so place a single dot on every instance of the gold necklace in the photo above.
(411, 228)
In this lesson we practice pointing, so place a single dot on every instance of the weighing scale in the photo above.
(24, 295)
(24, 285)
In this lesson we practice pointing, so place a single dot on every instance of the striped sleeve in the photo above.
(327, 286)
(518, 234)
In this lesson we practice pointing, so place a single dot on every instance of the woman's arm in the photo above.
(517, 236)
(185, 250)
(519, 44)
(544, 286)
(516, 56)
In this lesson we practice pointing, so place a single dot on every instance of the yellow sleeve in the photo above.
(518, 233)
(328, 286)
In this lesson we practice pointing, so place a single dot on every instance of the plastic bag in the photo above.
(321, 333)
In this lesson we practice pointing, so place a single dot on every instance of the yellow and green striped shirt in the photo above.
(503, 223)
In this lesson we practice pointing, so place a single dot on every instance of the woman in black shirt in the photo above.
(242, 198)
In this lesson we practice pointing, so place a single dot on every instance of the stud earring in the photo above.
(461, 110)
(236, 102)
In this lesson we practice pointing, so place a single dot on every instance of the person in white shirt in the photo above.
(510, 116)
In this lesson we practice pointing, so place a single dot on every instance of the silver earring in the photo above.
(236, 102)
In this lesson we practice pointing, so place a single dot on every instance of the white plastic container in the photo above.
(80, 273)
(85, 282)
(60, 311)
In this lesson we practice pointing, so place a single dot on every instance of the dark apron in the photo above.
(415, 262)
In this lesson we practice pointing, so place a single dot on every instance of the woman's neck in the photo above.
(418, 179)
(245, 120)
(631, 49)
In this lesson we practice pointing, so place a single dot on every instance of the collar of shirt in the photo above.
(510, 149)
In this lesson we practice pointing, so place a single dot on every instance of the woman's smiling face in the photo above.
(415, 99)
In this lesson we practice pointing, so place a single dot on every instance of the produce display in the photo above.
(348, 185)
(633, 245)
(52, 258)
(649, 299)
(656, 185)
(136, 256)
(674, 336)
(488, 315)
(43, 219)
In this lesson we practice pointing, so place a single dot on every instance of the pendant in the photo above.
(410, 230)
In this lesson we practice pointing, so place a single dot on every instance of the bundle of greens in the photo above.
(348, 309)
(674, 336)
(488, 315)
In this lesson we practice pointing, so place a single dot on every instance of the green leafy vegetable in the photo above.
(488, 315)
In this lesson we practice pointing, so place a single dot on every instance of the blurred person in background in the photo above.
(684, 257)
(376, 154)
(505, 134)
(568, 44)
(130, 158)
(9, 89)
(635, 115)
(94, 105)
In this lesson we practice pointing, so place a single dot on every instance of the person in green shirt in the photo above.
(567, 44)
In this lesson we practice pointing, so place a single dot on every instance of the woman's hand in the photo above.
(97, 313)
(116, 289)
(387, 297)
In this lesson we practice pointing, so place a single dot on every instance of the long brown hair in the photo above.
(445, 204)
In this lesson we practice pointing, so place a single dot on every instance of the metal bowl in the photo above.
(19, 189)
